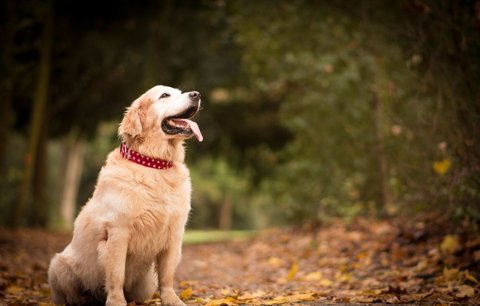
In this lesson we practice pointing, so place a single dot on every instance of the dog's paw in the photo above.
(172, 300)
(116, 300)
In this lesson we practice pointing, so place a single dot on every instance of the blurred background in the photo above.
(312, 109)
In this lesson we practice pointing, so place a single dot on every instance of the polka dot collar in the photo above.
(144, 160)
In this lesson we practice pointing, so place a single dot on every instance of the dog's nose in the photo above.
(194, 95)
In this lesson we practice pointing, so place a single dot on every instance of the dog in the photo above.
(127, 239)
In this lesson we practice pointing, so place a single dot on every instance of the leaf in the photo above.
(371, 292)
(186, 294)
(275, 262)
(325, 282)
(441, 167)
(465, 291)
(251, 296)
(451, 274)
(155, 301)
(299, 297)
(292, 272)
(188, 283)
(14, 290)
(224, 301)
(470, 277)
(344, 277)
(422, 295)
(450, 244)
(314, 276)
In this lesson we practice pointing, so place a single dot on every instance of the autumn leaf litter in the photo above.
(367, 261)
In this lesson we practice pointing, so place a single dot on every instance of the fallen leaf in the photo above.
(362, 299)
(250, 296)
(420, 296)
(470, 277)
(300, 297)
(450, 244)
(451, 274)
(224, 301)
(275, 262)
(392, 299)
(371, 292)
(343, 277)
(292, 272)
(186, 294)
(464, 291)
(188, 283)
(442, 166)
(14, 289)
(314, 276)
(397, 290)
(155, 301)
(325, 282)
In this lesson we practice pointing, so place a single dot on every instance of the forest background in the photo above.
(312, 109)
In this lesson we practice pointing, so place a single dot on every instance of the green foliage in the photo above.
(346, 92)
(312, 108)
(214, 182)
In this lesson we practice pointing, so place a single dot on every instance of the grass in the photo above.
(205, 236)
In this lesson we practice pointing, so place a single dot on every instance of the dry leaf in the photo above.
(470, 277)
(225, 301)
(300, 297)
(275, 262)
(420, 296)
(292, 272)
(14, 289)
(442, 166)
(251, 296)
(325, 282)
(314, 276)
(450, 244)
(343, 277)
(451, 274)
(464, 291)
(186, 294)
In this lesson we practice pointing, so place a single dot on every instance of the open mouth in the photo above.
(182, 125)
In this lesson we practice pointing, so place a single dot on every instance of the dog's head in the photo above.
(161, 113)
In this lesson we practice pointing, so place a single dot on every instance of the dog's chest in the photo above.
(157, 225)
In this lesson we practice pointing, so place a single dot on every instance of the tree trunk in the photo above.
(73, 173)
(37, 115)
(381, 159)
(225, 218)
(6, 84)
(40, 181)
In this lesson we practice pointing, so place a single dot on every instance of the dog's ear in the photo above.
(131, 126)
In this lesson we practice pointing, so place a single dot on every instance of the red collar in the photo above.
(144, 160)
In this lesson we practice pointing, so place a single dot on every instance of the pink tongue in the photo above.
(194, 127)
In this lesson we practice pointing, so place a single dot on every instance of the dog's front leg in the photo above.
(112, 255)
(167, 262)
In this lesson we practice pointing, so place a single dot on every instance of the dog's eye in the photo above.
(165, 95)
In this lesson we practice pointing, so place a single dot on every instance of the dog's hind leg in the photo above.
(65, 285)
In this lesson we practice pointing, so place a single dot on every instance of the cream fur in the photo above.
(131, 229)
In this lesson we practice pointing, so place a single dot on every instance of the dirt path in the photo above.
(365, 262)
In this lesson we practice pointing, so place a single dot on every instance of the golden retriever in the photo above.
(127, 239)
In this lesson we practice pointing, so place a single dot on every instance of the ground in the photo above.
(364, 261)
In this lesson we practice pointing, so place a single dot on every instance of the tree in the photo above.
(353, 107)
(37, 134)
